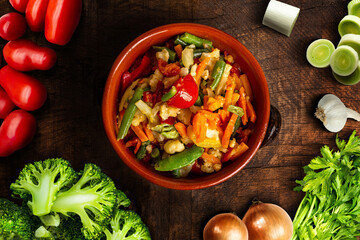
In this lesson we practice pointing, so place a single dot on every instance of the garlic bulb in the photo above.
(333, 113)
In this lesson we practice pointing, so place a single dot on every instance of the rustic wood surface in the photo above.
(70, 123)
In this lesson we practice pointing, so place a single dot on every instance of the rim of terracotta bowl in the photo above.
(221, 40)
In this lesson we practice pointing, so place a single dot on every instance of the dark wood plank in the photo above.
(70, 123)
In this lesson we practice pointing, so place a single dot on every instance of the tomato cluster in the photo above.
(58, 19)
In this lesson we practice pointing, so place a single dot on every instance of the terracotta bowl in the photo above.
(221, 40)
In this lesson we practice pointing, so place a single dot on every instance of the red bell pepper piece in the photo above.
(16, 131)
(148, 96)
(12, 26)
(169, 120)
(143, 69)
(25, 55)
(6, 105)
(35, 14)
(19, 5)
(24, 91)
(61, 20)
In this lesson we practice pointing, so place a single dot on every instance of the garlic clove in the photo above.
(333, 113)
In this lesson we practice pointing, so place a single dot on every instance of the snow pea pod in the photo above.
(129, 114)
(179, 160)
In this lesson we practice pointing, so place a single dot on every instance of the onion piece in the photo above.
(281, 17)
(225, 226)
(268, 221)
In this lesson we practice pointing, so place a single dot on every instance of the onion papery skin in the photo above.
(225, 226)
(266, 221)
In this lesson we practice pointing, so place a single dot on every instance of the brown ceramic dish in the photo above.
(221, 40)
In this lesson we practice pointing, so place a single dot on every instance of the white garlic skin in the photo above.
(332, 112)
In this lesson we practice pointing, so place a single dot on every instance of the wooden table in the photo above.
(70, 123)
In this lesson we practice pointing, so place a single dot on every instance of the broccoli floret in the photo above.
(122, 199)
(92, 198)
(15, 223)
(42, 181)
(69, 228)
(127, 225)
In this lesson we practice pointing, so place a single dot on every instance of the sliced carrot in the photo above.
(211, 115)
(148, 132)
(238, 83)
(178, 50)
(205, 101)
(230, 88)
(235, 152)
(228, 131)
(250, 110)
(242, 104)
(181, 128)
(223, 115)
(138, 145)
(140, 133)
(202, 133)
(132, 142)
(235, 98)
(210, 158)
(245, 81)
(200, 69)
(214, 104)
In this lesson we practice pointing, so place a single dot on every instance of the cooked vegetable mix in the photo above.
(188, 106)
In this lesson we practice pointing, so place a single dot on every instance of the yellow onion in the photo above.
(225, 226)
(268, 221)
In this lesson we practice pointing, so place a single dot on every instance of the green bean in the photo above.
(179, 41)
(179, 160)
(236, 126)
(169, 94)
(172, 54)
(129, 114)
(198, 52)
(217, 73)
(198, 42)
(237, 110)
(199, 100)
(142, 150)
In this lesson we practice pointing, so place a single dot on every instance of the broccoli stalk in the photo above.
(15, 222)
(92, 198)
(127, 225)
(42, 181)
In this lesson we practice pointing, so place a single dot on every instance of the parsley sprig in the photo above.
(330, 209)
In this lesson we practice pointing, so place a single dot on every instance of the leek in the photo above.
(281, 17)
(319, 52)
(352, 79)
(349, 24)
(344, 61)
(146, 110)
(354, 8)
(352, 40)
